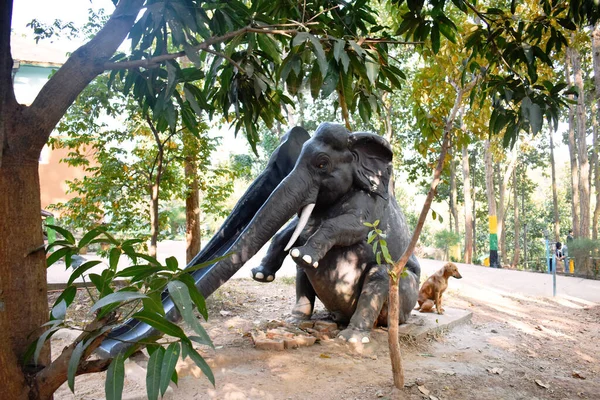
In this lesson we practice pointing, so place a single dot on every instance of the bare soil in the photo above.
(515, 347)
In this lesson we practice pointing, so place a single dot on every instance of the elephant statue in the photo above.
(335, 182)
(339, 182)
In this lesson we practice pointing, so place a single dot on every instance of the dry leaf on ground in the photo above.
(542, 384)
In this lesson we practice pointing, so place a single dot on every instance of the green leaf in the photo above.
(435, 38)
(117, 297)
(320, 53)
(113, 258)
(168, 366)
(172, 263)
(386, 255)
(372, 71)
(68, 295)
(338, 49)
(138, 269)
(196, 296)
(58, 254)
(197, 358)
(153, 373)
(43, 337)
(74, 364)
(115, 378)
(159, 322)
(206, 263)
(316, 81)
(65, 233)
(181, 296)
(153, 303)
(59, 310)
(91, 235)
(372, 235)
(300, 38)
(81, 269)
(268, 45)
(447, 28)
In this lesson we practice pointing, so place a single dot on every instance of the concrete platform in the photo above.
(420, 324)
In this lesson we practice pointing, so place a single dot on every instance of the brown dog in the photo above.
(433, 288)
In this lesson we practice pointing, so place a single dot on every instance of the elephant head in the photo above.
(331, 164)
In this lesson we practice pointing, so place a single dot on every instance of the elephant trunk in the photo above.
(290, 196)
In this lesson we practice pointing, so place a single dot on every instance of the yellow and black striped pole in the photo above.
(494, 242)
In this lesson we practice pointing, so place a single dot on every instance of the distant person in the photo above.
(559, 255)
(570, 237)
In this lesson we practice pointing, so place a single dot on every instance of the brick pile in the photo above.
(280, 335)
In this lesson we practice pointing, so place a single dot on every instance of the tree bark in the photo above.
(517, 246)
(582, 152)
(596, 144)
(193, 231)
(491, 198)
(23, 287)
(502, 185)
(573, 155)
(554, 189)
(468, 204)
(453, 194)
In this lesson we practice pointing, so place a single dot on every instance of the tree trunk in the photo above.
(23, 288)
(453, 194)
(397, 269)
(491, 197)
(517, 249)
(468, 211)
(554, 189)
(193, 231)
(154, 222)
(573, 155)
(596, 144)
(502, 185)
(584, 166)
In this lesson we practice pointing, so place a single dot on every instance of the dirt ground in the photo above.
(515, 347)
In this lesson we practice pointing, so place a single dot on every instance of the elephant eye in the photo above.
(322, 164)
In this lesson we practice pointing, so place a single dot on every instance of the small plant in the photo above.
(376, 238)
(144, 282)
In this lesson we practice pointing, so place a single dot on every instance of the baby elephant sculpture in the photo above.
(339, 182)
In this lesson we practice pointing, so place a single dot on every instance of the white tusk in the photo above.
(304, 216)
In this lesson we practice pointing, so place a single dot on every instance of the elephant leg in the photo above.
(305, 297)
(372, 297)
(271, 263)
(343, 230)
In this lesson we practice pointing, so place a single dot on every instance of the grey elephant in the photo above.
(335, 181)
(339, 182)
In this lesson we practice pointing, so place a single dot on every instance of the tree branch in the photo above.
(7, 94)
(394, 298)
(49, 379)
(80, 69)
(205, 46)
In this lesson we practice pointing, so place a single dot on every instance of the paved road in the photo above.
(476, 279)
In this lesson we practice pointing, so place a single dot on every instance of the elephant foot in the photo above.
(355, 336)
(304, 257)
(260, 275)
(297, 319)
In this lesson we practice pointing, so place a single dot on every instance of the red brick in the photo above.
(269, 344)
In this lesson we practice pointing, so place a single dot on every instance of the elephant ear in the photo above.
(373, 162)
